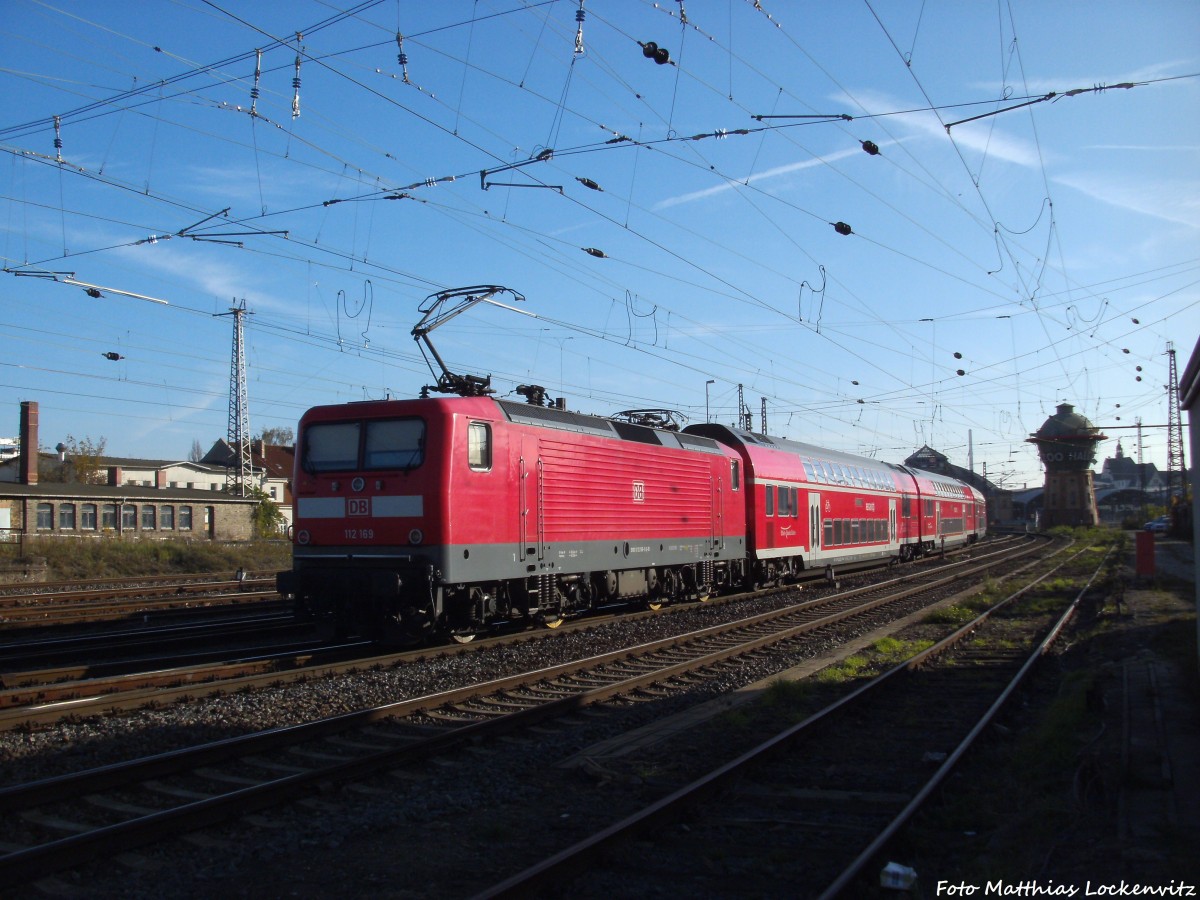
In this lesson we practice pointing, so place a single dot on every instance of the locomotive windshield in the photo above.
(394, 444)
(373, 444)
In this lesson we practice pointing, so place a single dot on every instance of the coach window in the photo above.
(394, 444)
(148, 518)
(66, 517)
(129, 517)
(479, 446)
(185, 518)
(795, 502)
(87, 517)
(45, 516)
(769, 492)
(828, 532)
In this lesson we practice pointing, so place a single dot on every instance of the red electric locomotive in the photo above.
(451, 515)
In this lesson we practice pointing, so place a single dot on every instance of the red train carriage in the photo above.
(810, 507)
(454, 514)
(937, 512)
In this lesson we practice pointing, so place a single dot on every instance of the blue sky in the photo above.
(1048, 249)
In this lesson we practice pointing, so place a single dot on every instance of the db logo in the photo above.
(639, 492)
(358, 506)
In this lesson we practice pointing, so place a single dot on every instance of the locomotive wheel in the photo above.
(463, 638)
(654, 603)
(554, 622)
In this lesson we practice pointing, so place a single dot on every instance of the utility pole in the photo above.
(764, 415)
(239, 475)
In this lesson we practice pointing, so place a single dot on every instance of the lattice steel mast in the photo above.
(1176, 468)
(240, 473)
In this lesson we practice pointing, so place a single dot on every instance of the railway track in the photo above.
(75, 603)
(37, 697)
(124, 805)
(809, 811)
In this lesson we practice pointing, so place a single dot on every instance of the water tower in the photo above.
(1066, 443)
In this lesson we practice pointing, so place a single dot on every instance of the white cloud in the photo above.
(777, 172)
(1168, 200)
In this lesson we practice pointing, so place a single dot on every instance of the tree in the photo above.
(197, 453)
(267, 517)
(278, 437)
(82, 463)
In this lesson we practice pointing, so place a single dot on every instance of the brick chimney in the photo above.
(28, 473)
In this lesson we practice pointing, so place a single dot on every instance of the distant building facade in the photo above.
(40, 494)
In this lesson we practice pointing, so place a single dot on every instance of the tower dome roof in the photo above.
(1066, 423)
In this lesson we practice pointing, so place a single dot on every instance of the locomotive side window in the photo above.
(394, 444)
(479, 446)
(735, 476)
(331, 448)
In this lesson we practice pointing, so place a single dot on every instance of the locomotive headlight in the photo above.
(357, 485)
(302, 536)
(415, 536)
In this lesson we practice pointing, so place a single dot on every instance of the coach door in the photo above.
(529, 492)
(892, 520)
(814, 523)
